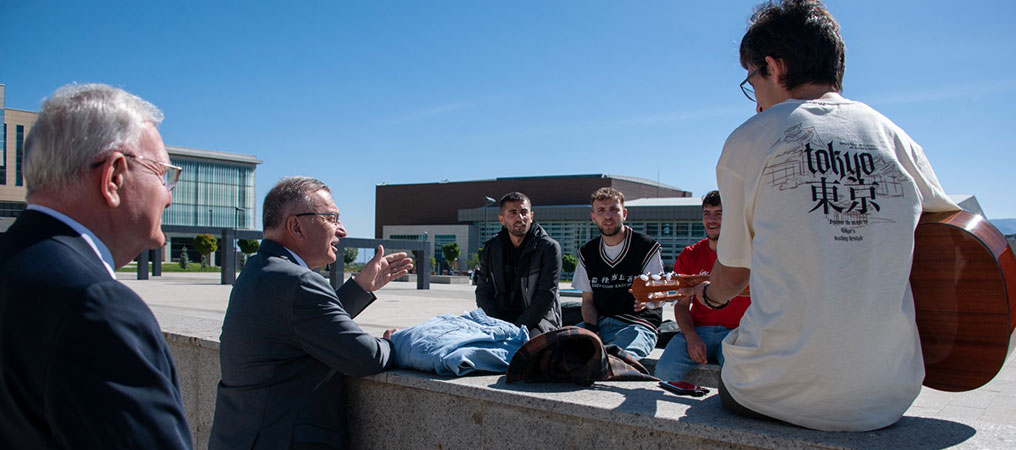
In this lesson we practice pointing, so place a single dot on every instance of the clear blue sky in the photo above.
(362, 93)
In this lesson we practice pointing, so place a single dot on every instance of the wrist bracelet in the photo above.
(710, 302)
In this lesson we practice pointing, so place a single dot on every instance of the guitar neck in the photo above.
(661, 288)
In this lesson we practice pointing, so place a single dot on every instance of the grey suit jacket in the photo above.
(83, 363)
(285, 335)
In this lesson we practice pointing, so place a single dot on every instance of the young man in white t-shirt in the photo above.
(821, 198)
(607, 266)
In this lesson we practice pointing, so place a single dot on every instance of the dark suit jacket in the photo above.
(83, 363)
(285, 335)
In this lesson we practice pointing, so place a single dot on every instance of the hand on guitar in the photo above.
(669, 287)
(663, 287)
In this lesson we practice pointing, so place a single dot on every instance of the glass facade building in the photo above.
(215, 189)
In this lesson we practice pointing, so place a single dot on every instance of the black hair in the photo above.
(712, 198)
(514, 197)
(804, 35)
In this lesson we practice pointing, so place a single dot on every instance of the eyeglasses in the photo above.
(747, 88)
(331, 217)
(170, 173)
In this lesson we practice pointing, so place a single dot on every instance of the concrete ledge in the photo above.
(439, 279)
(410, 409)
(449, 279)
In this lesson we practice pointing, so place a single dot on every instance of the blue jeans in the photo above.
(637, 340)
(675, 363)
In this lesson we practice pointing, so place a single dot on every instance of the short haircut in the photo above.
(712, 198)
(804, 35)
(514, 197)
(606, 193)
(290, 192)
(79, 124)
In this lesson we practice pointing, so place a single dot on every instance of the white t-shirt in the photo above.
(580, 280)
(820, 201)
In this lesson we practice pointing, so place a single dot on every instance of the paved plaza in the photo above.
(198, 302)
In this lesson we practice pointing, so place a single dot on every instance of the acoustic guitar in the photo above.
(964, 284)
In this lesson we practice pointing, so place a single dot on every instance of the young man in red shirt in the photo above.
(702, 329)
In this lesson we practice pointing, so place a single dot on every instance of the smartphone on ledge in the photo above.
(684, 388)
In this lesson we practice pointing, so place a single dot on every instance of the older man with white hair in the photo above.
(83, 363)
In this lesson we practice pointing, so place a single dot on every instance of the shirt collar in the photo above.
(93, 241)
(298, 259)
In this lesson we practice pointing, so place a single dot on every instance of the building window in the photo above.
(408, 237)
(212, 193)
(698, 230)
(19, 152)
(3, 163)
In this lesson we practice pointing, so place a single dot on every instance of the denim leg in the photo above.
(634, 339)
(715, 344)
(675, 363)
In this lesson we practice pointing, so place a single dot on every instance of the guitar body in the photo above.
(964, 284)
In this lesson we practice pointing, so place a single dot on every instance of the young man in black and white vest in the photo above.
(607, 266)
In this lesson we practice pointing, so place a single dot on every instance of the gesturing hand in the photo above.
(383, 268)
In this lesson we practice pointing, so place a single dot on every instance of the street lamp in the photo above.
(487, 201)
(236, 217)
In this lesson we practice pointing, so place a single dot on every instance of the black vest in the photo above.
(611, 280)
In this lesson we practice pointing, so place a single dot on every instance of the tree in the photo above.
(568, 263)
(349, 254)
(474, 259)
(205, 244)
(451, 253)
(184, 260)
(247, 247)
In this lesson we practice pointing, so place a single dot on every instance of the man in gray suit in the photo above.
(288, 338)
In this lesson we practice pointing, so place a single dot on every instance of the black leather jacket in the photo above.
(540, 270)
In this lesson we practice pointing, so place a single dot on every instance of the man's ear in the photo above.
(777, 67)
(293, 227)
(500, 218)
(112, 178)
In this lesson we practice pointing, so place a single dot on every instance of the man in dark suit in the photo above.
(83, 363)
(288, 338)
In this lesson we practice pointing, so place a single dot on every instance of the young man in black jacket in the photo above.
(519, 270)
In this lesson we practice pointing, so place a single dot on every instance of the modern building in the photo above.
(216, 189)
(460, 212)
(17, 123)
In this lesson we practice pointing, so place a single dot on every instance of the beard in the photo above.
(518, 233)
(609, 231)
(712, 237)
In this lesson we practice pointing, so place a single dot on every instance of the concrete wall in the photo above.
(197, 368)
(404, 409)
